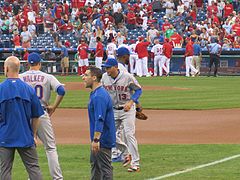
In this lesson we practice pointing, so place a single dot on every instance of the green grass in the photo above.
(194, 93)
(156, 160)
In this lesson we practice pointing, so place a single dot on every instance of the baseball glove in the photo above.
(140, 115)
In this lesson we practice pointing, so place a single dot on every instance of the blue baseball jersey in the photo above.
(18, 105)
(101, 117)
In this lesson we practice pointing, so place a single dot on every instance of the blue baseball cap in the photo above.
(110, 62)
(122, 51)
(34, 58)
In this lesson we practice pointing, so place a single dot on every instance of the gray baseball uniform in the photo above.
(43, 83)
(121, 90)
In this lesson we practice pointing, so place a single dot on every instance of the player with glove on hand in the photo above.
(123, 55)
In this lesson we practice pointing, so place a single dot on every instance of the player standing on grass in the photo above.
(43, 83)
(102, 127)
(20, 110)
(124, 91)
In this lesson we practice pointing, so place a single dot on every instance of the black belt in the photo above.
(196, 54)
(118, 108)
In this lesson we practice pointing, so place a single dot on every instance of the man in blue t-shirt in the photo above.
(20, 109)
(102, 125)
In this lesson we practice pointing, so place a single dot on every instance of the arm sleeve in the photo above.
(99, 113)
(136, 95)
(61, 91)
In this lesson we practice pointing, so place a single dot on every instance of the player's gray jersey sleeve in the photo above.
(54, 83)
(133, 83)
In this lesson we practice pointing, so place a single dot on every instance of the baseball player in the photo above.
(99, 53)
(142, 62)
(83, 57)
(133, 57)
(43, 84)
(157, 50)
(167, 51)
(124, 91)
(111, 49)
(188, 58)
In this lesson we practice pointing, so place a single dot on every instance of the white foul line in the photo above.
(197, 167)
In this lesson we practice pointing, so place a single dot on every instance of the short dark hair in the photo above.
(95, 72)
(98, 38)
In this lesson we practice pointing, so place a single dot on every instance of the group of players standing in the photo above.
(138, 63)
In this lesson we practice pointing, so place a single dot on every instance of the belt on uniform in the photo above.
(196, 54)
(118, 108)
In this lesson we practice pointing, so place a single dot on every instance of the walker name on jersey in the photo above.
(33, 78)
(116, 88)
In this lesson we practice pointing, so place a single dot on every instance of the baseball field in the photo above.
(192, 131)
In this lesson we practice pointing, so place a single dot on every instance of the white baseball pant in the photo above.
(98, 62)
(128, 120)
(83, 62)
(46, 135)
(133, 60)
(189, 66)
(142, 66)
(167, 63)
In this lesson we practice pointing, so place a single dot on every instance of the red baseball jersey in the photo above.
(82, 51)
(167, 49)
(99, 49)
(189, 49)
(141, 49)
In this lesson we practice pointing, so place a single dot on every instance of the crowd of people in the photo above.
(108, 25)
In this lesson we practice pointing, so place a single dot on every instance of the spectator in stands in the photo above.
(16, 39)
(228, 9)
(116, 6)
(236, 43)
(169, 32)
(85, 32)
(32, 29)
(194, 36)
(83, 16)
(204, 37)
(157, 5)
(107, 19)
(152, 34)
(13, 26)
(199, 4)
(120, 38)
(123, 30)
(176, 39)
(110, 33)
(142, 62)
(226, 43)
(25, 37)
(212, 9)
(58, 10)
(166, 24)
(15, 8)
(169, 5)
(131, 19)
(5, 25)
(39, 24)
(180, 8)
(236, 28)
(118, 17)
(48, 21)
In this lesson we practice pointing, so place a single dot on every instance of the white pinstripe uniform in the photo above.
(43, 83)
(111, 49)
(133, 58)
